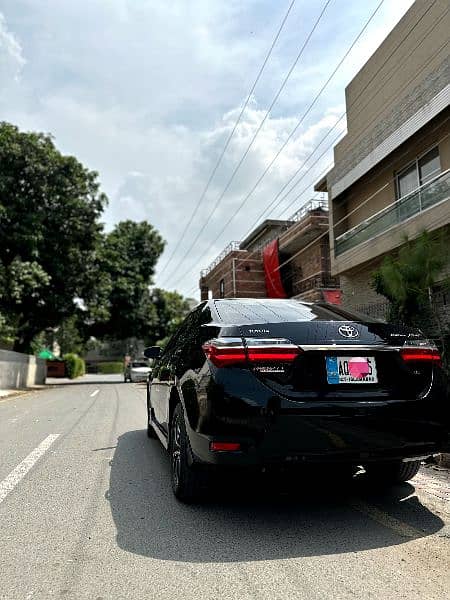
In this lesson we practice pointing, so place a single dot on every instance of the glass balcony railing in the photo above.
(424, 197)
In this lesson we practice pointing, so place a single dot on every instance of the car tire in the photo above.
(188, 480)
(393, 472)
(151, 433)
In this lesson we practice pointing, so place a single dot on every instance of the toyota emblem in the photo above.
(348, 331)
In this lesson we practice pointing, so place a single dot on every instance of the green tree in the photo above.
(50, 206)
(125, 267)
(171, 308)
(407, 280)
(69, 338)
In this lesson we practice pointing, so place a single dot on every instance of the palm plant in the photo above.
(407, 280)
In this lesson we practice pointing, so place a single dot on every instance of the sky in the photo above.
(146, 92)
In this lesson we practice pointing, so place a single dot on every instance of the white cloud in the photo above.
(11, 57)
(271, 138)
(147, 93)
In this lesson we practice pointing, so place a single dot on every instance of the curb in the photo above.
(15, 393)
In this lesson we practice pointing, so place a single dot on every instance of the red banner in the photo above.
(274, 285)
(332, 296)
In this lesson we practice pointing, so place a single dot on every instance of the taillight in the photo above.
(271, 350)
(421, 354)
(223, 352)
(224, 446)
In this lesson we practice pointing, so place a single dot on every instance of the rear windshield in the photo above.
(241, 312)
(139, 364)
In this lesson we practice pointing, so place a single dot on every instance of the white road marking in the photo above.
(94, 393)
(17, 474)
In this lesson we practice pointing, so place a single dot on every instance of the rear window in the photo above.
(139, 364)
(241, 312)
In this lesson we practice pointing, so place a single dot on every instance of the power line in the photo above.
(383, 83)
(380, 189)
(417, 73)
(222, 154)
(266, 170)
(247, 150)
(332, 143)
(363, 130)
(358, 207)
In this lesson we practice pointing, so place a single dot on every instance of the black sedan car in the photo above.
(247, 383)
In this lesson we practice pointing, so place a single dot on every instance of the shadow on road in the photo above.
(244, 521)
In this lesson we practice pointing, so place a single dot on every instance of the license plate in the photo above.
(351, 369)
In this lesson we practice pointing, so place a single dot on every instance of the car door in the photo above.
(161, 382)
(164, 374)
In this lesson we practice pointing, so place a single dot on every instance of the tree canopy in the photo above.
(170, 309)
(59, 270)
(407, 279)
(50, 206)
(123, 306)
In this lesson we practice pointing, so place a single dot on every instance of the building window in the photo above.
(222, 288)
(429, 166)
(422, 170)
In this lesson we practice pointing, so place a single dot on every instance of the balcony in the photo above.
(309, 207)
(431, 193)
(232, 247)
(318, 281)
(307, 225)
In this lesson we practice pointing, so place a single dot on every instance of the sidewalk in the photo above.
(18, 392)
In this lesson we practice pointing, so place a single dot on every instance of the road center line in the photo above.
(17, 474)
(94, 393)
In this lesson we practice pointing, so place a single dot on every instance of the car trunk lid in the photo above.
(349, 348)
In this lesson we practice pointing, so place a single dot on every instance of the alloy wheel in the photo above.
(176, 451)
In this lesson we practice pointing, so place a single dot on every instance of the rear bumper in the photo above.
(297, 439)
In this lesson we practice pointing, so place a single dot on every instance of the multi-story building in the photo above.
(391, 174)
(238, 271)
(277, 259)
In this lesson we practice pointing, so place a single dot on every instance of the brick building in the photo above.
(391, 174)
(302, 254)
(238, 271)
(305, 252)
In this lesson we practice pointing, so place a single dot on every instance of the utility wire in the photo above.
(227, 143)
(249, 146)
(381, 87)
(358, 207)
(391, 74)
(266, 170)
(363, 130)
(380, 189)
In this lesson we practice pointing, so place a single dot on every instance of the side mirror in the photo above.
(152, 352)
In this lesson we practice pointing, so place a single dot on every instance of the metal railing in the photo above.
(319, 281)
(307, 208)
(232, 246)
(427, 195)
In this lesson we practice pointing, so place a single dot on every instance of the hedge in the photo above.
(110, 368)
(75, 366)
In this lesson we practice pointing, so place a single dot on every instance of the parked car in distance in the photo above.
(136, 371)
(251, 383)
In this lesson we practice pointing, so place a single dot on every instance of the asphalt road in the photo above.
(86, 511)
